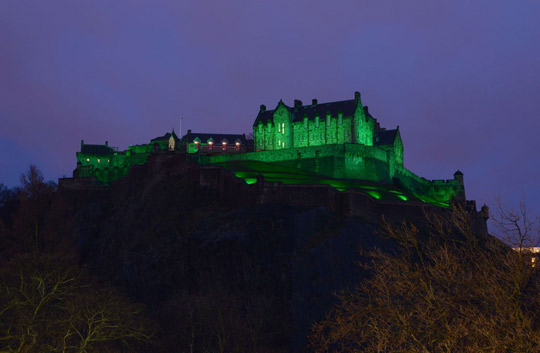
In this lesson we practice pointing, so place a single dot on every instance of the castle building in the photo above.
(321, 124)
(335, 143)
(340, 140)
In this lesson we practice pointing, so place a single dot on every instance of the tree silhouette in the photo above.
(447, 290)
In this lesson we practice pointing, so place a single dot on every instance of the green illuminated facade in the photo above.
(108, 164)
(338, 140)
(338, 143)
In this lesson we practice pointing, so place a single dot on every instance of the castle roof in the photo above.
(385, 137)
(299, 111)
(166, 137)
(217, 138)
(96, 149)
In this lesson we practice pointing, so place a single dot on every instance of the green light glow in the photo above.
(343, 148)
(250, 181)
(374, 194)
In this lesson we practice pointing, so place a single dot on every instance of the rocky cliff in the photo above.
(231, 272)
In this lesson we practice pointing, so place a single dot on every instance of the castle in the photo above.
(336, 143)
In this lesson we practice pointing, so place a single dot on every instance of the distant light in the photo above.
(224, 143)
(238, 144)
(88, 159)
(99, 161)
(210, 142)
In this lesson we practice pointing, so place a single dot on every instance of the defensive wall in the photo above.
(234, 193)
(352, 161)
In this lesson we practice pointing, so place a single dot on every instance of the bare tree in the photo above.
(48, 305)
(517, 228)
(447, 290)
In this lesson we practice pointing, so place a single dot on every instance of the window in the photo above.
(283, 128)
(210, 145)
(305, 123)
(328, 120)
(340, 119)
(260, 129)
(99, 160)
(278, 127)
(316, 121)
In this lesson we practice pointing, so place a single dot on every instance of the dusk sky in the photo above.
(460, 78)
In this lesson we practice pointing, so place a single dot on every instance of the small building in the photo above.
(208, 143)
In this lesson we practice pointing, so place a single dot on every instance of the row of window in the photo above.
(224, 145)
(98, 160)
(281, 127)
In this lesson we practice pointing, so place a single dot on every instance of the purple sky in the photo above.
(460, 78)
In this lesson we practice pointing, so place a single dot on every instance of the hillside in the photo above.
(215, 268)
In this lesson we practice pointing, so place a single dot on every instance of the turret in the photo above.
(460, 193)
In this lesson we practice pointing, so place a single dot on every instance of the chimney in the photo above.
(356, 96)
(297, 103)
(106, 143)
(314, 101)
(82, 144)
(263, 108)
(189, 132)
(366, 109)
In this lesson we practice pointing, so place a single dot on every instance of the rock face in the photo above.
(256, 275)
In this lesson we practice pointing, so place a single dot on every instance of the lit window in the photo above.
(88, 159)
(210, 144)
(99, 161)
(283, 128)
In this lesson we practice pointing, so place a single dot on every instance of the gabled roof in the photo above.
(310, 111)
(96, 149)
(217, 138)
(385, 137)
(166, 137)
